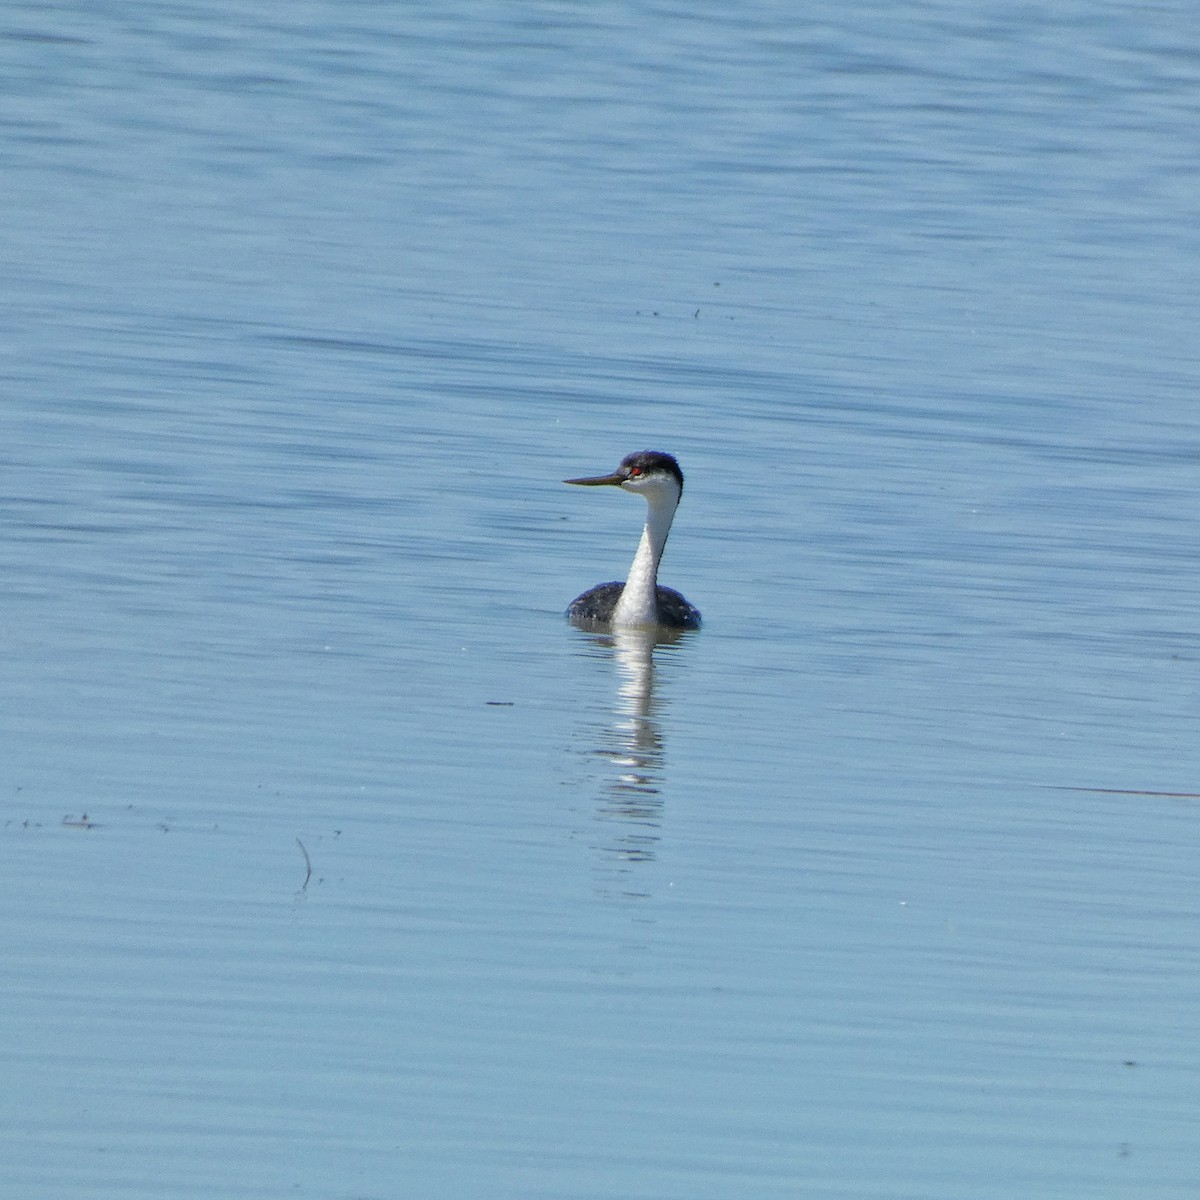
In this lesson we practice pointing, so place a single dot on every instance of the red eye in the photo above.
(635, 470)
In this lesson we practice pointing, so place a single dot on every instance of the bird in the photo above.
(640, 601)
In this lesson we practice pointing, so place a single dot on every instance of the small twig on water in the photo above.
(1058, 787)
(307, 866)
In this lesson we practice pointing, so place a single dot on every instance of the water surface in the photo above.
(880, 885)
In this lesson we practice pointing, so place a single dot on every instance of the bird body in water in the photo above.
(640, 601)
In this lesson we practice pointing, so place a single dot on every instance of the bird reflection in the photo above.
(632, 743)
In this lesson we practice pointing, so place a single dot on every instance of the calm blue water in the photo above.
(881, 885)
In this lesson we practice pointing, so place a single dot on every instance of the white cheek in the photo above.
(647, 486)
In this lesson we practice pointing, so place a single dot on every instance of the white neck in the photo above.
(639, 601)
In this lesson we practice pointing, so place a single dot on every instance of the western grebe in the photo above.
(640, 600)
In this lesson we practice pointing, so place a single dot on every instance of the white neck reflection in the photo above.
(630, 800)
